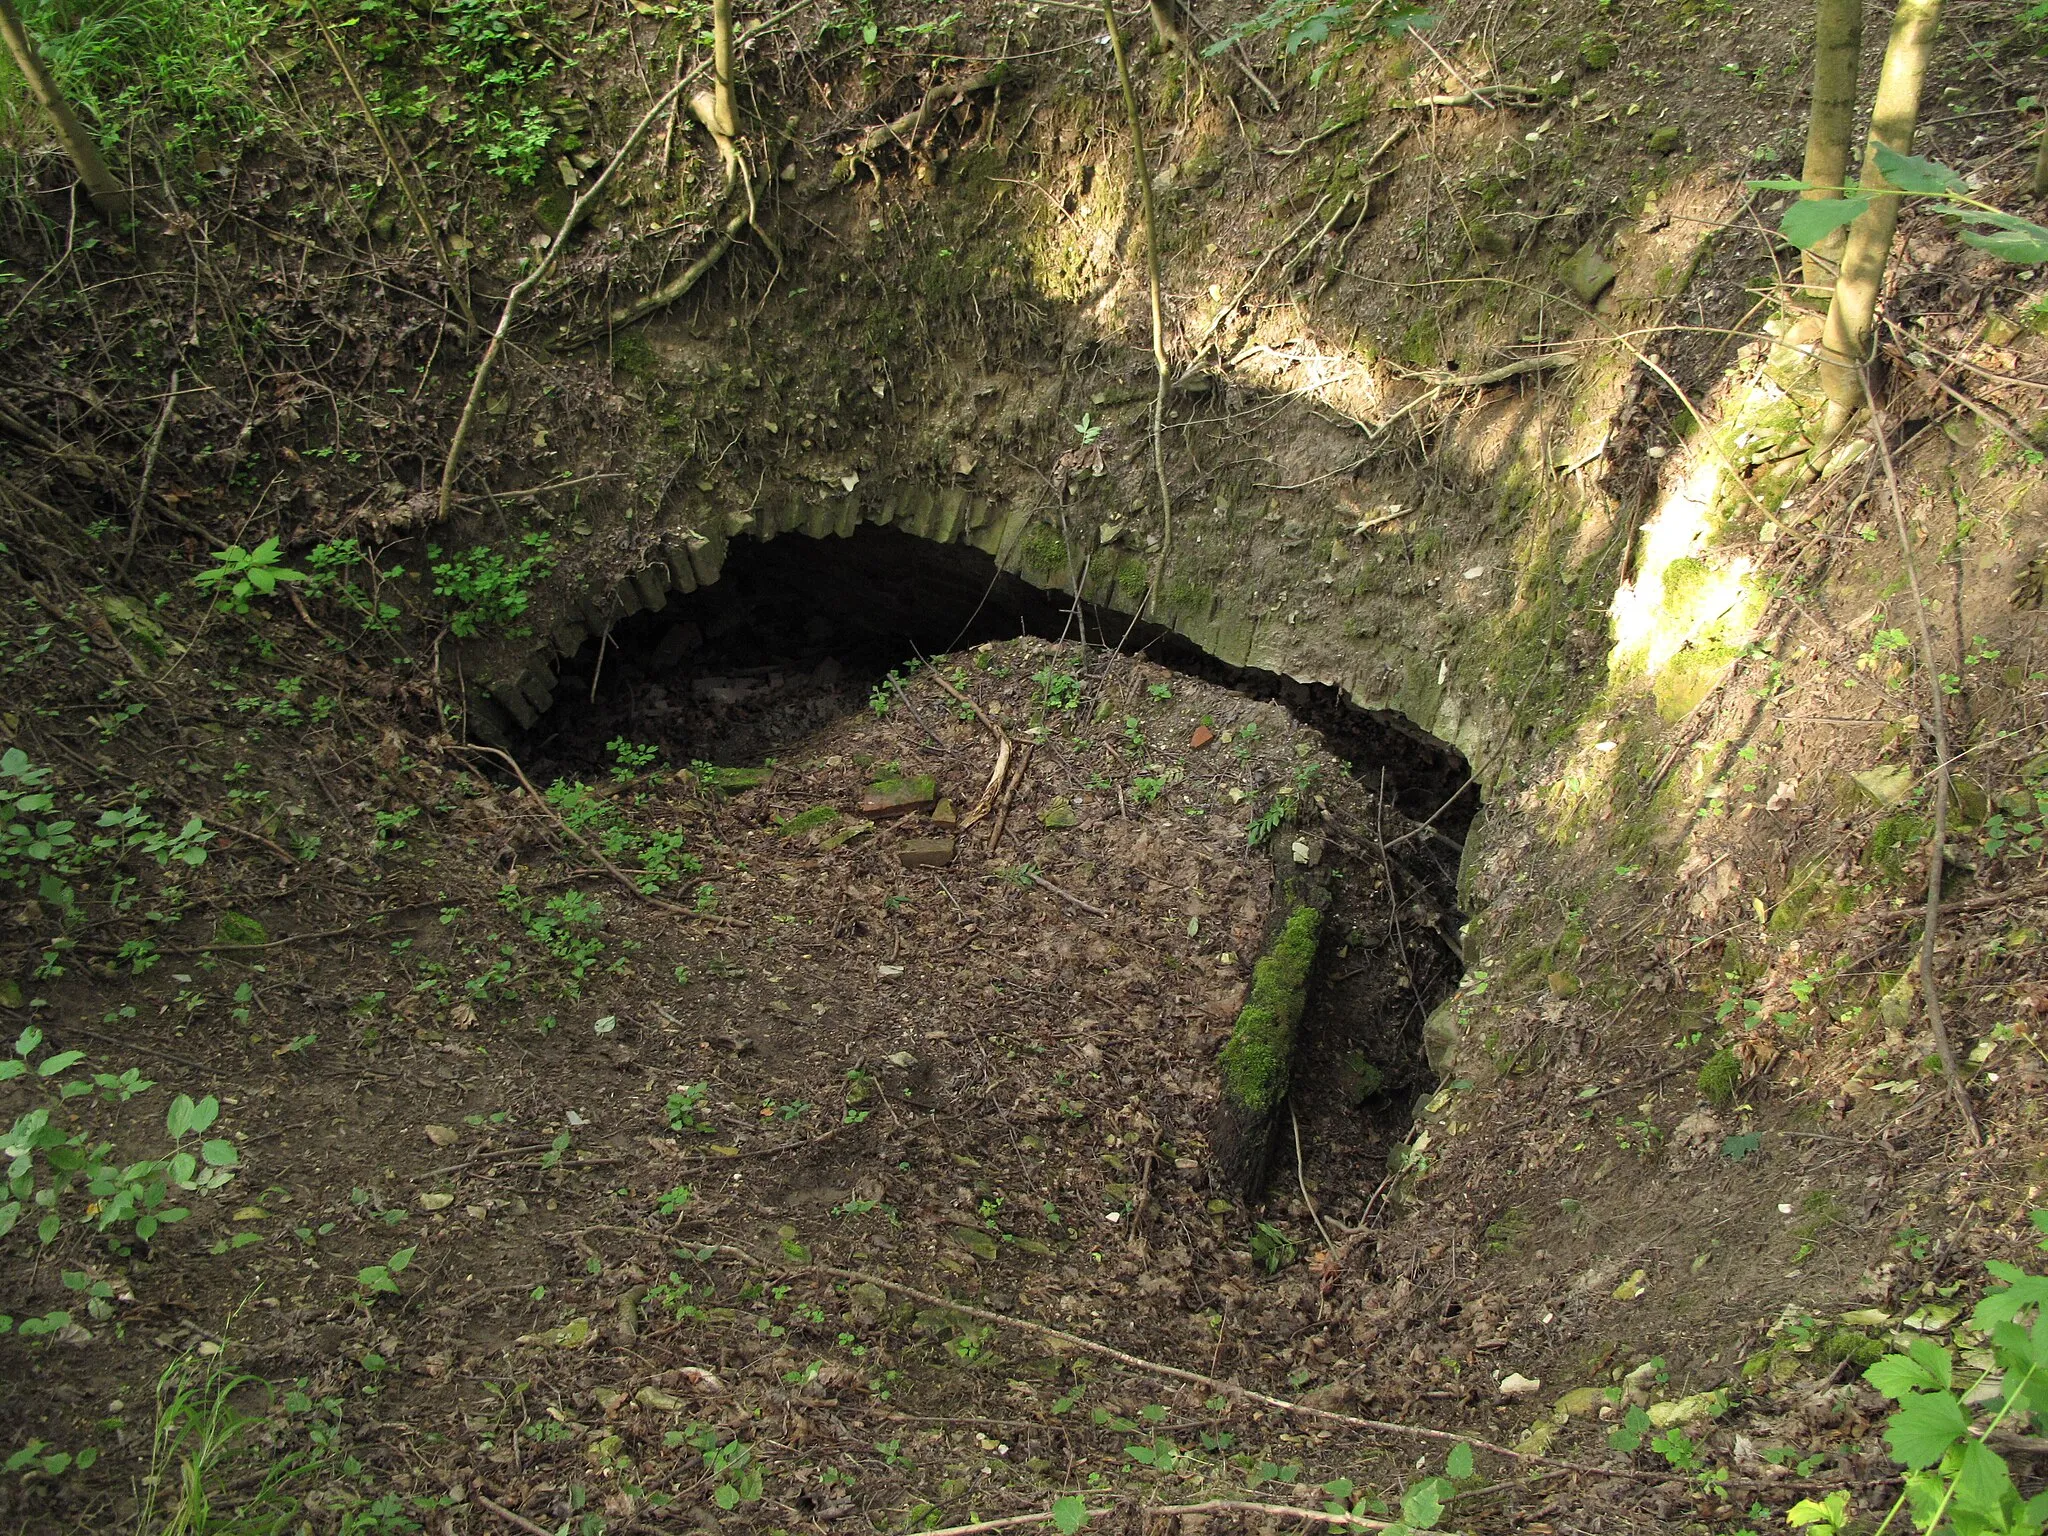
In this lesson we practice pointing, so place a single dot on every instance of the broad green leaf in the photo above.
(1911, 173)
(220, 1154)
(1923, 1429)
(1634, 1425)
(2020, 1291)
(402, 1258)
(1811, 220)
(12, 1069)
(1982, 1481)
(1069, 1513)
(1830, 1513)
(50, 1066)
(1933, 1359)
(1459, 1463)
(28, 1040)
(1897, 1375)
(2022, 250)
(1423, 1505)
(178, 1118)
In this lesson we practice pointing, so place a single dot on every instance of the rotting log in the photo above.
(1258, 1059)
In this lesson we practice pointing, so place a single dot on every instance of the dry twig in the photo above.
(1937, 840)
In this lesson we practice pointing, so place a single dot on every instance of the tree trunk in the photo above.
(1837, 51)
(107, 194)
(726, 122)
(1845, 344)
(2041, 165)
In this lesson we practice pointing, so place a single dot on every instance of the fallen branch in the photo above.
(1937, 841)
(1004, 746)
(1008, 795)
(1146, 1512)
(511, 1517)
(1064, 894)
(1451, 379)
(1474, 98)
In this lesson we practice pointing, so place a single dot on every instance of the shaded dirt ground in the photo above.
(991, 1078)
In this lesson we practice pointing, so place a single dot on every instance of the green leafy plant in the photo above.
(487, 589)
(1310, 23)
(735, 1474)
(1955, 1479)
(1058, 688)
(630, 759)
(169, 72)
(1272, 1249)
(238, 574)
(1268, 821)
(49, 1160)
(567, 926)
(376, 1280)
(1808, 221)
(661, 854)
(684, 1110)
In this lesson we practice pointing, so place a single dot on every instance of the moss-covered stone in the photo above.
(809, 821)
(238, 928)
(1044, 551)
(1261, 1045)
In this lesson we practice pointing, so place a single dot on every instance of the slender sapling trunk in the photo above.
(1845, 344)
(108, 195)
(1837, 49)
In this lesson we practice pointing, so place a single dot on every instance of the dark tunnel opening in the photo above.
(798, 633)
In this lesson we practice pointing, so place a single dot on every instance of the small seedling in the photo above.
(382, 1279)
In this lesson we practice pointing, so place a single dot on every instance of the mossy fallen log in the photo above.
(1258, 1058)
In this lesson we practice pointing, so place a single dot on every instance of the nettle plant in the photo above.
(1944, 1430)
(1809, 221)
(45, 851)
(56, 1176)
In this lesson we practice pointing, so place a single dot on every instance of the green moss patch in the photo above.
(809, 821)
(1255, 1058)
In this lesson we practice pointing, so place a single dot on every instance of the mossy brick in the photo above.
(893, 797)
(651, 582)
(738, 778)
(809, 821)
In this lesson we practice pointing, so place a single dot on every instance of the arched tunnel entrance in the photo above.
(799, 632)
